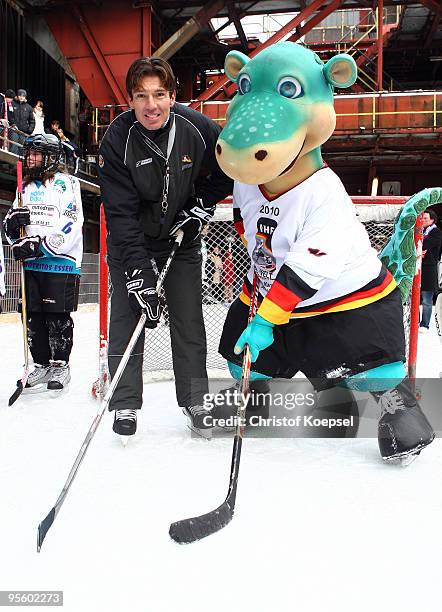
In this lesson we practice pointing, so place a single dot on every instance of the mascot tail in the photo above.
(399, 254)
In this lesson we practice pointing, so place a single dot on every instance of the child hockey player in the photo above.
(51, 251)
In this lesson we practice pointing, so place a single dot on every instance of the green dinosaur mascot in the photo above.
(328, 306)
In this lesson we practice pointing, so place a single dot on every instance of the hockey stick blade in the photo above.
(193, 529)
(14, 397)
(199, 527)
(44, 527)
(20, 386)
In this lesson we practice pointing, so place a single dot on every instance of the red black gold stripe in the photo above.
(287, 291)
(279, 305)
(373, 291)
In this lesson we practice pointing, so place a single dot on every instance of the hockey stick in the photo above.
(438, 315)
(190, 530)
(24, 317)
(100, 386)
(46, 524)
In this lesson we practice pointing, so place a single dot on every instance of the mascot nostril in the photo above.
(219, 149)
(260, 155)
(321, 285)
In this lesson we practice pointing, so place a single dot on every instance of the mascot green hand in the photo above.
(258, 335)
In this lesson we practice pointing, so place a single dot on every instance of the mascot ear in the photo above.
(341, 71)
(233, 63)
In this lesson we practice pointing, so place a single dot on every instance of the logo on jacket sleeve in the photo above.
(143, 162)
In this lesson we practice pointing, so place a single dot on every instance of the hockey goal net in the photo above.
(224, 264)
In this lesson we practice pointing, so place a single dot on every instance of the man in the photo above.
(6, 116)
(431, 249)
(158, 174)
(24, 121)
(23, 114)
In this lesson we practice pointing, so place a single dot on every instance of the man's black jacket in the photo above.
(23, 116)
(432, 244)
(132, 178)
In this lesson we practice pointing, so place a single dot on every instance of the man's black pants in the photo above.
(183, 289)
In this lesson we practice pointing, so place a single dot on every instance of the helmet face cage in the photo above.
(50, 148)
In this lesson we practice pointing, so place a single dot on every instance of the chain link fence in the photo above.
(224, 264)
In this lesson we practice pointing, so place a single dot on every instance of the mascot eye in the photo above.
(244, 84)
(290, 87)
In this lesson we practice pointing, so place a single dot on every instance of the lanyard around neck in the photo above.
(156, 149)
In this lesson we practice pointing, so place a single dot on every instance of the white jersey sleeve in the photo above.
(323, 247)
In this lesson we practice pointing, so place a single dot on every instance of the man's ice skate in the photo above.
(59, 376)
(125, 424)
(37, 379)
(403, 429)
(199, 420)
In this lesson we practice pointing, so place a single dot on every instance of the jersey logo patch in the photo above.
(70, 215)
(143, 162)
(262, 256)
(60, 186)
(317, 252)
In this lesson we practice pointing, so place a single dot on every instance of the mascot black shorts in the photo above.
(326, 348)
(51, 292)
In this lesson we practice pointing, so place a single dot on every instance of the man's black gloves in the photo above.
(27, 247)
(191, 220)
(15, 219)
(143, 296)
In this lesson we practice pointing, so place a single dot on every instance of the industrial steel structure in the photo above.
(389, 124)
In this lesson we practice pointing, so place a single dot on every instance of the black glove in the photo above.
(27, 247)
(15, 219)
(142, 294)
(191, 220)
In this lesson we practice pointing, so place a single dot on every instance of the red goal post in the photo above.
(222, 284)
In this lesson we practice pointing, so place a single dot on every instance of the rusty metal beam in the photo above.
(380, 44)
(189, 29)
(433, 5)
(313, 22)
(146, 31)
(289, 27)
(233, 16)
(99, 57)
(307, 27)
(432, 30)
(293, 6)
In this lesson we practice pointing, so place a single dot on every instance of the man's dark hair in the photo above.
(150, 66)
(433, 215)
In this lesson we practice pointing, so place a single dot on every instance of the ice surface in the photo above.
(321, 525)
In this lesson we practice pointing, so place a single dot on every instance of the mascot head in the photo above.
(282, 114)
